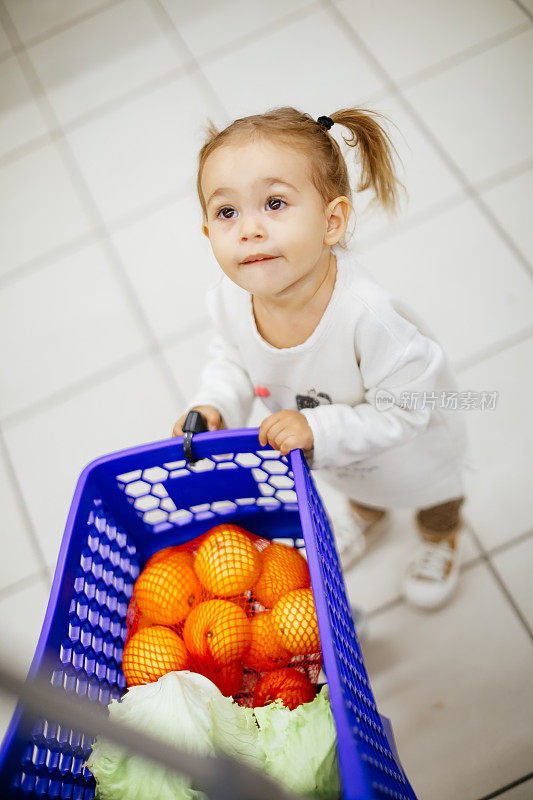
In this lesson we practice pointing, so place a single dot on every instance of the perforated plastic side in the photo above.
(176, 493)
(89, 660)
(343, 661)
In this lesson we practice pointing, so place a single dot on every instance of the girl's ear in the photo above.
(338, 215)
(205, 230)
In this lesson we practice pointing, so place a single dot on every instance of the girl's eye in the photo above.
(276, 200)
(222, 210)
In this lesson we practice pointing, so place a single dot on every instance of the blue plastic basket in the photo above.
(126, 506)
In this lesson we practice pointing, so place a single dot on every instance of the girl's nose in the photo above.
(251, 227)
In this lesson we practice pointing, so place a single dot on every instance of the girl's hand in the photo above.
(286, 431)
(212, 416)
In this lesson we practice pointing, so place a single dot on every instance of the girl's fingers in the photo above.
(265, 427)
(275, 433)
(211, 416)
(212, 421)
(275, 430)
(284, 431)
(177, 429)
(289, 443)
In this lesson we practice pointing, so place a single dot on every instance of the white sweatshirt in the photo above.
(400, 452)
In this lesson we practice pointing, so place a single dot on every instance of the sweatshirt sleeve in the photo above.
(390, 362)
(224, 381)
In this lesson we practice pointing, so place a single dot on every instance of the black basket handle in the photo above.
(194, 423)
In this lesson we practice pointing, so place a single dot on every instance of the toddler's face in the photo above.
(253, 214)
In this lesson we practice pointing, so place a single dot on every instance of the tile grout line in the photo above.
(97, 233)
(101, 376)
(400, 601)
(444, 205)
(523, 8)
(445, 157)
(516, 540)
(211, 55)
(496, 349)
(191, 329)
(191, 68)
(127, 362)
(79, 386)
(80, 241)
(474, 562)
(365, 244)
(195, 64)
(311, 8)
(258, 34)
(93, 214)
(60, 28)
(507, 787)
(167, 27)
(23, 508)
(57, 131)
(501, 583)
(100, 232)
(22, 583)
(507, 174)
(459, 58)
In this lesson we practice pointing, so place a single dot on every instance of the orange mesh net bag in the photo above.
(232, 606)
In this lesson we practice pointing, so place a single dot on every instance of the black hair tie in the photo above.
(327, 122)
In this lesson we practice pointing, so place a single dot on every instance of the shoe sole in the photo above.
(427, 603)
(371, 534)
(430, 605)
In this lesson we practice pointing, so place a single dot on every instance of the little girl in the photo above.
(343, 366)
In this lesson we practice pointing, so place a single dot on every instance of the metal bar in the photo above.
(220, 777)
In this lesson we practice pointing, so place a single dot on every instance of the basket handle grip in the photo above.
(195, 422)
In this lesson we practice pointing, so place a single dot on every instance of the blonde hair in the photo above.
(328, 170)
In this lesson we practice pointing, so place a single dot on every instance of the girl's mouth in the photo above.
(259, 260)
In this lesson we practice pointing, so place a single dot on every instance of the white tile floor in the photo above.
(101, 119)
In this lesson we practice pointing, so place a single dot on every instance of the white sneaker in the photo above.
(431, 575)
(349, 540)
(353, 534)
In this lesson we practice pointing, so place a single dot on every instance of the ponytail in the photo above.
(375, 154)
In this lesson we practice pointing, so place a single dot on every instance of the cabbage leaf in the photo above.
(300, 746)
(183, 709)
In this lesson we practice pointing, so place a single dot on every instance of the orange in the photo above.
(152, 652)
(227, 562)
(217, 632)
(162, 554)
(229, 679)
(289, 685)
(295, 622)
(135, 621)
(283, 569)
(166, 590)
(265, 651)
